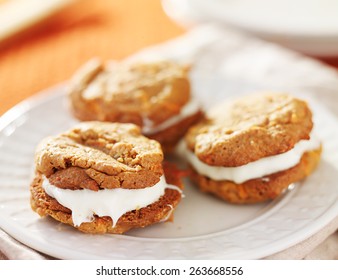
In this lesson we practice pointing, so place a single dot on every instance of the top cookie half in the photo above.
(99, 155)
(256, 126)
(129, 93)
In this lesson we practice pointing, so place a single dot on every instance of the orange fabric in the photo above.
(52, 51)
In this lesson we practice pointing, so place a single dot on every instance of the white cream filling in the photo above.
(187, 110)
(114, 203)
(257, 169)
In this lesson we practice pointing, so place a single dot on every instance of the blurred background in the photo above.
(42, 42)
(307, 26)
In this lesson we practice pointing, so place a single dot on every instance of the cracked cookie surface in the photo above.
(129, 92)
(100, 155)
(242, 131)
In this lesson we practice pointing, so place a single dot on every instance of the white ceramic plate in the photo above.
(308, 26)
(204, 227)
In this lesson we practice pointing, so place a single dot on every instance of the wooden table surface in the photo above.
(50, 52)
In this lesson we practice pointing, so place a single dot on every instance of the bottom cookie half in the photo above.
(156, 212)
(261, 189)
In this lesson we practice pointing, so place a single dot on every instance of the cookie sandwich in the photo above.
(104, 178)
(251, 149)
(155, 96)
